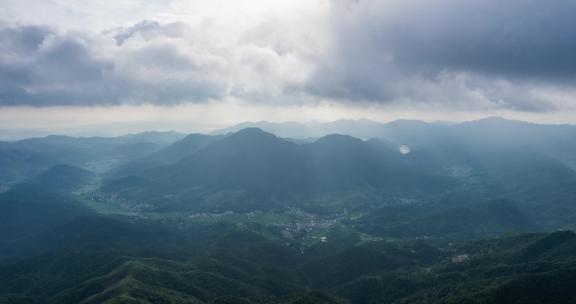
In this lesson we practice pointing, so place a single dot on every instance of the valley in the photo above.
(249, 217)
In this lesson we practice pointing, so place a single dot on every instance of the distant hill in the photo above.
(28, 157)
(253, 169)
(169, 155)
(256, 167)
(553, 140)
(157, 137)
(63, 178)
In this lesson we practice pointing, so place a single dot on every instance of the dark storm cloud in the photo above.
(392, 50)
(25, 39)
(41, 67)
(527, 38)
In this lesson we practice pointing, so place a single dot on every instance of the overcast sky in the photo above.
(65, 63)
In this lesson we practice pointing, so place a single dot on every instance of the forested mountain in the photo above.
(252, 169)
(25, 158)
(417, 213)
(99, 260)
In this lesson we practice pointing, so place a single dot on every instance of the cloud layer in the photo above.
(461, 53)
(39, 67)
(469, 55)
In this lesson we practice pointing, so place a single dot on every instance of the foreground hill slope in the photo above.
(100, 260)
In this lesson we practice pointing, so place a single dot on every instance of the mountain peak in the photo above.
(253, 132)
(338, 138)
(251, 136)
(498, 120)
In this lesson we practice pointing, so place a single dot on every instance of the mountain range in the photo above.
(345, 212)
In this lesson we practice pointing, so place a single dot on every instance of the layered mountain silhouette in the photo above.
(256, 169)
(259, 166)
(347, 212)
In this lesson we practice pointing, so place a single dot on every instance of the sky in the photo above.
(191, 65)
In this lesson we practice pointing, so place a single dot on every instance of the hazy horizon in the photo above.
(130, 128)
(209, 64)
